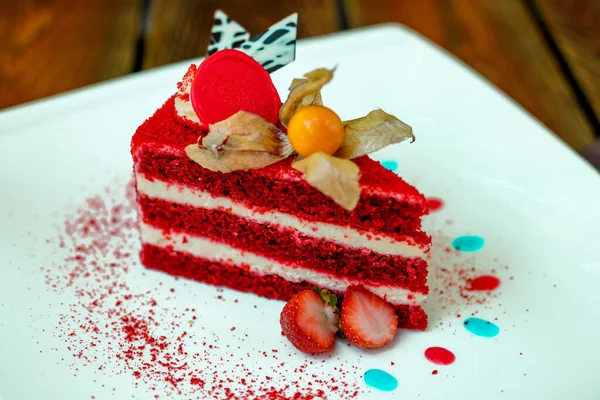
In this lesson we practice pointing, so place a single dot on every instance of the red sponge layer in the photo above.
(373, 214)
(287, 246)
(236, 277)
(165, 128)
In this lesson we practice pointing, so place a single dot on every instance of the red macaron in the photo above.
(230, 81)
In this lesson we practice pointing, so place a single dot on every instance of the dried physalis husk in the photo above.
(335, 177)
(372, 132)
(311, 99)
(229, 161)
(304, 92)
(241, 142)
(246, 131)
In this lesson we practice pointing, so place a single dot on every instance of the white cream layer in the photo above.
(185, 110)
(219, 252)
(349, 237)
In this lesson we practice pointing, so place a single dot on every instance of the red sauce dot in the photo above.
(440, 356)
(484, 283)
(434, 372)
(434, 204)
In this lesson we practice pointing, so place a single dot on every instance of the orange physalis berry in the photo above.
(314, 129)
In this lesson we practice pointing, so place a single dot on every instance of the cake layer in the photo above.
(260, 265)
(286, 246)
(241, 278)
(295, 197)
(346, 236)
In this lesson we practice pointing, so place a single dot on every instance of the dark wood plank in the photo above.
(182, 32)
(499, 39)
(51, 46)
(575, 26)
(592, 154)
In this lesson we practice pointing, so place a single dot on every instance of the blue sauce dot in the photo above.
(481, 327)
(468, 243)
(381, 380)
(390, 164)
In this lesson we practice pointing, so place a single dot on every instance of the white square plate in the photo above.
(500, 173)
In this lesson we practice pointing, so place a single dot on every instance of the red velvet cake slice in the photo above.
(267, 230)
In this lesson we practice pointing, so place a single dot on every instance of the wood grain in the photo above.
(499, 39)
(51, 46)
(575, 26)
(182, 32)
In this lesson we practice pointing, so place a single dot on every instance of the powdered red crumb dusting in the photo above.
(115, 327)
(451, 278)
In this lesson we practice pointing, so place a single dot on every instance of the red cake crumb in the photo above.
(113, 328)
(185, 85)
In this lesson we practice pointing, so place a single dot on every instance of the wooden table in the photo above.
(543, 53)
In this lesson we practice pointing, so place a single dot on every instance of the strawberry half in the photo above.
(310, 320)
(367, 320)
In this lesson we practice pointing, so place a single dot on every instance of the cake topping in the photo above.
(225, 34)
(273, 48)
(240, 142)
(334, 175)
(373, 132)
(304, 92)
(230, 81)
(315, 129)
(232, 93)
